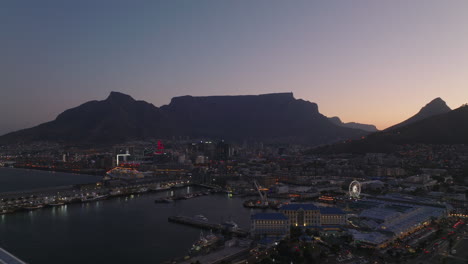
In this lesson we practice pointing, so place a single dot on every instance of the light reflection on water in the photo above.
(123, 230)
(117, 230)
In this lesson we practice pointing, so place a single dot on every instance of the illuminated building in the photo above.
(309, 215)
(269, 224)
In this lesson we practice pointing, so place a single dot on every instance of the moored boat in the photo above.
(164, 200)
(91, 198)
(33, 206)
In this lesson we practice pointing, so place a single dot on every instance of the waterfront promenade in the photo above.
(33, 199)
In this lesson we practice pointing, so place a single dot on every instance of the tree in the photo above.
(296, 232)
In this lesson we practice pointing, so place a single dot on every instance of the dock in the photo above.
(190, 221)
(11, 202)
(224, 255)
(8, 258)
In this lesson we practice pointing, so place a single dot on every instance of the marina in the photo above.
(140, 222)
(35, 199)
(171, 199)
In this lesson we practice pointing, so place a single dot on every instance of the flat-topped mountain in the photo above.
(268, 117)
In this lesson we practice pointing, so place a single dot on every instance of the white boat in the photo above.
(231, 225)
(142, 190)
(201, 218)
(115, 192)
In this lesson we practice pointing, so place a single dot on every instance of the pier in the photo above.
(55, 196)
(8, 258)
(184, 220)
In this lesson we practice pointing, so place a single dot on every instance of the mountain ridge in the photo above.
(269, 117)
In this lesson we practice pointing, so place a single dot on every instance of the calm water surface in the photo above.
(119, 230)
(24, 179)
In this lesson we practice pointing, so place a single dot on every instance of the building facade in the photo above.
(269, 224)
(309, 215)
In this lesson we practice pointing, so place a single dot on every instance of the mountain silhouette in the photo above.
(268, 118)
(337, 121)
(448, 128)
(435, 107)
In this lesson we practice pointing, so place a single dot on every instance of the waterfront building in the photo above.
(395, 217)
(302, 214)
(332, 216)
(269, 224)
(309, 215)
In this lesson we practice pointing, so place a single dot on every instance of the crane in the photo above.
(263, 196)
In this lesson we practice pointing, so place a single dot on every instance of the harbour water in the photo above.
(25, 179)
(120, 230)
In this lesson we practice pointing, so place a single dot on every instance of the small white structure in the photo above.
(354, 189)
(124, 157)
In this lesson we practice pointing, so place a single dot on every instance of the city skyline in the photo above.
(366, 62)
(256, 132)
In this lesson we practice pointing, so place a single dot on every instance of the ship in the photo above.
(56, 202)
(125, 173)
(204, 242)
(256, 204)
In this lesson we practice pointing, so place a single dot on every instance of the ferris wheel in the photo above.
(354, 189)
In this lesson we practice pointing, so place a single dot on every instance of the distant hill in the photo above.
(448, 128)
(435, 107)
(268, 118)
(337, 121)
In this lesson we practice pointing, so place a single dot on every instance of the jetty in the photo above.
(191, 221)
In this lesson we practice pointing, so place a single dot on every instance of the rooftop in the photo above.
(299, 206)
(269, 216)
(331, 210)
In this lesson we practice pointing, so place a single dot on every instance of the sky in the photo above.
(373, 62)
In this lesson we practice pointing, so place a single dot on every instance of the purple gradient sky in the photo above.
(374, 62)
